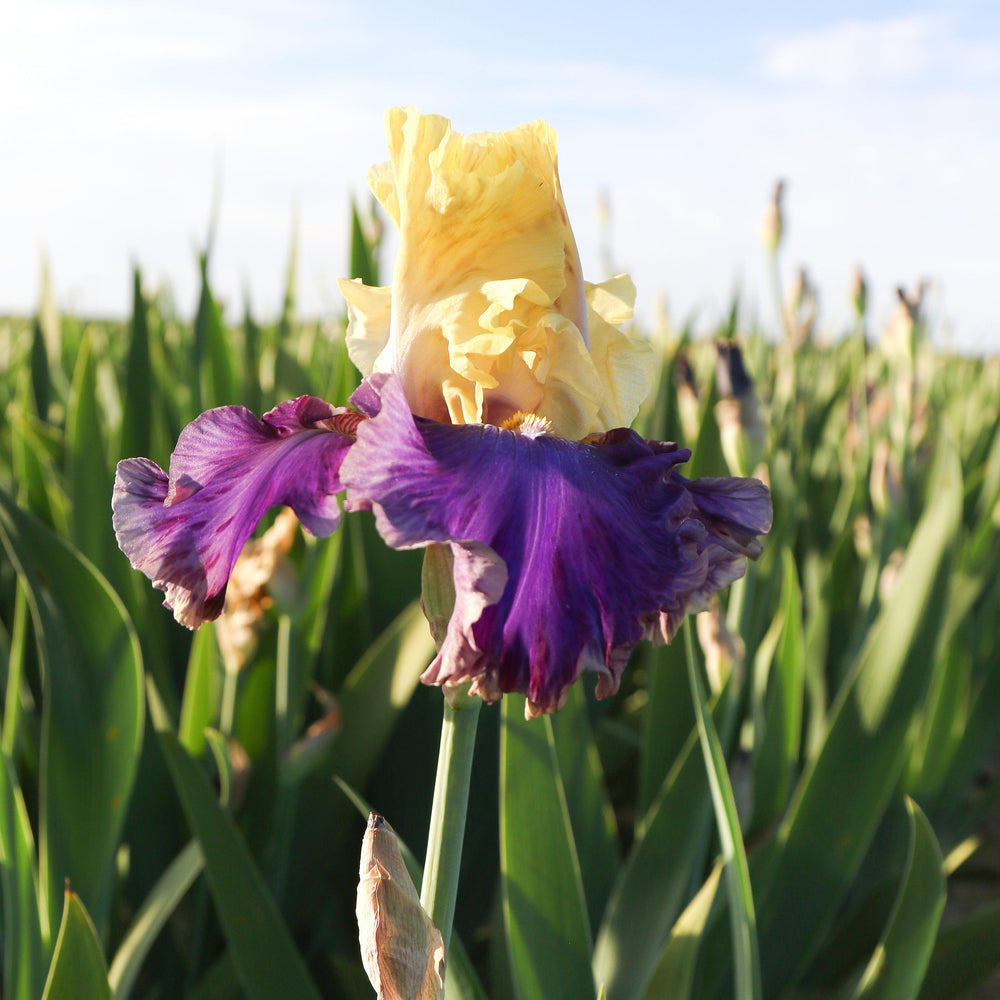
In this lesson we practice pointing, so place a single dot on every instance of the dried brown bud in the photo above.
(258, 571)
(401, 949)
(724, 651)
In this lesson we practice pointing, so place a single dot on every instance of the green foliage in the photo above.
(265, 957)
(92, 713)
(804, 800)
(78, 967)
(545, 911)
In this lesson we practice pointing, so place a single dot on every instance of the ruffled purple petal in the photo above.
(565, 553)
(185, 529)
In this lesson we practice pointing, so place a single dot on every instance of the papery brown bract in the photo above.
(401, 949)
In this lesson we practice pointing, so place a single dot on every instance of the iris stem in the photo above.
(779, 297)
(227, 711)
(451, 801)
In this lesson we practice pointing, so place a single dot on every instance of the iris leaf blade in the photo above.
(669, 717)
(777, 752)
(140, 401)
(651, 888)
(591, 816)
(150, 918)
(88, 476)
(746, 957)
(837, 806)
(900, 960)
(202, 686)
(264, 954)
(23, 963)
(78, 968)
(545, 911)
(965, 953)
(92, 717)
(675, 970)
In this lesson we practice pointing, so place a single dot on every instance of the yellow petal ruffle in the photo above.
(488, 313)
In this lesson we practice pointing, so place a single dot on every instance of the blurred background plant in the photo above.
(182, 813)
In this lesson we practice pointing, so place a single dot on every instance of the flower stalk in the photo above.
(439, 888)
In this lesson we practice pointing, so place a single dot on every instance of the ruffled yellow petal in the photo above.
(489, 314)
(486, 263)
(624, 362)
(368, 311)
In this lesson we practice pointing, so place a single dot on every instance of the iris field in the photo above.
(181, 813)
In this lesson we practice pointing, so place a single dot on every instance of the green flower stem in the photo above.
(227, 711)
(451, 801)
(779, 297)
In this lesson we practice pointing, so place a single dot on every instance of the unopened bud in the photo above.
(688, 405)
(731, 376)
(802, 308)
(772, 227)
(737, 412)
(899, 337)
(859, 293)
(437, 590)
(401, 949)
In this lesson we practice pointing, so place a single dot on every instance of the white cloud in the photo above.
(925, 49)
(853, 52)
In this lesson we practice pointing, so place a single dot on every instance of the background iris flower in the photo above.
(492, 419)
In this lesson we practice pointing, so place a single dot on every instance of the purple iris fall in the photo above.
(492, 420)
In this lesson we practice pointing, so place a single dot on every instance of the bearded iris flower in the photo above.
(492, 419)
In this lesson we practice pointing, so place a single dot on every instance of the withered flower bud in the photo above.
(724, 651)
(401, 949)
(257, 572)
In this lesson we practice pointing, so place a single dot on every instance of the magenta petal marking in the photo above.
(185, 529)
(602, 542)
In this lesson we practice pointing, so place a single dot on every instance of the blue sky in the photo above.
(884, 118)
